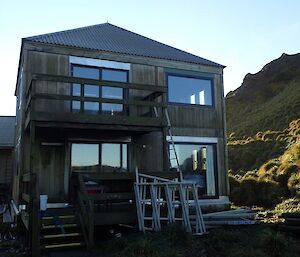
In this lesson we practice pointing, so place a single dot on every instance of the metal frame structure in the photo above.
(160, 200)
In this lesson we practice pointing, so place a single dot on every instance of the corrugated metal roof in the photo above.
(108, 37)
(7, 131)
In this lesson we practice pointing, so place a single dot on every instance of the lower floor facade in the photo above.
(60, 154)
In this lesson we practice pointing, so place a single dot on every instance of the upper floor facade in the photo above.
(107, 76)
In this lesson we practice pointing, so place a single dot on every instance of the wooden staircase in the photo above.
(60, 229)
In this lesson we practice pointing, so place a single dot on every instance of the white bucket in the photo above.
(43, 202)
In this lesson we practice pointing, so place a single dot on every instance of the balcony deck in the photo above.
(50, 99)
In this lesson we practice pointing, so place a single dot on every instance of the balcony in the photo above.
(51, 99)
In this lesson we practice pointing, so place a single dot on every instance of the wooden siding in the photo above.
(50, 164)
(147, 150)
(6, 166)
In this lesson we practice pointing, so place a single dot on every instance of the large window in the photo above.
(107, 91)
(106, 157)
(197, 163)
(189, 90)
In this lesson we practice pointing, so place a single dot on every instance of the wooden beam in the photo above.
(67, 79)
(26, 197)
(96, 119)
(111, 196)
(27, 177)
(97, 99)
(132, 130)
(107, 176)
(35, 229)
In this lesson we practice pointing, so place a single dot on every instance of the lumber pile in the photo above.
(291, 222)
(235, 217)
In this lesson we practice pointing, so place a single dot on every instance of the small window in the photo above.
(187, 90)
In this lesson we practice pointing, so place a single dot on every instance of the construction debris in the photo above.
(231, 217)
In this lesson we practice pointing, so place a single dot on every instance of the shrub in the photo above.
(254, 191)
(176, 234)
(140, 248)
(274, 243)
(288, 205)
(294, 184)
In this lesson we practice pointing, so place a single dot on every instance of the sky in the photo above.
(242, 35)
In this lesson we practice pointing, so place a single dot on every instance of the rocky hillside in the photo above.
(263, 120)
(267, 100)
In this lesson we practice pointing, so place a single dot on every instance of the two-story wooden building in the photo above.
(94, 102)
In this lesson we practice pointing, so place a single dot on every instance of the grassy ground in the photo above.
(247, 241)
(243, 241)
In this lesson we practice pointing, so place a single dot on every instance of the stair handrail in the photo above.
(86, 212)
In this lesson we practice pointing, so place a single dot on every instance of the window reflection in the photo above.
(190, 90)
(110, 160)
(91, 91)
(114, 75)
(85, 157)
(85, 72)
(98, 91)
(196, 161)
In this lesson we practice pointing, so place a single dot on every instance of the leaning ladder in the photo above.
(172, 145)
(157, 203)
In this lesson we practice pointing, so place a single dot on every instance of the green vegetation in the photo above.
(230, 242)
(264, 136)
(267, 100)
(268, 183)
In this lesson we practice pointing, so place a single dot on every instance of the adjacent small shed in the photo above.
(7, 137)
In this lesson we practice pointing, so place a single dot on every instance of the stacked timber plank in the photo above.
(231, 217)
(291, 222)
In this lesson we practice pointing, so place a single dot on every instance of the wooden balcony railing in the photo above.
(50, 98)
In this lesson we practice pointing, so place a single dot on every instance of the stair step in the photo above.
(60, 246)
(60, 217)
(60, 235)
(72, 225)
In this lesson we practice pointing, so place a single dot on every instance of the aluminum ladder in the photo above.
(157, 203)
(172, 145)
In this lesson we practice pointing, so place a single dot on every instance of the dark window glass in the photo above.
(114, 75)
(85, 157)
(190, 90)
(85, 72)
(196, 161)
